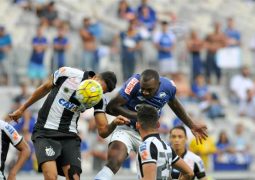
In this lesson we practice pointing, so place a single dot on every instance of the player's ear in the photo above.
(137, 125)
(158, 124)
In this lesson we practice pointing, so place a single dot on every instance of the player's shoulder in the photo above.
(69, 72)
(145, 145)
(167, 83)
(3, 124)
(193, 156)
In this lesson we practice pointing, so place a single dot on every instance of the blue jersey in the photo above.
(131, 91)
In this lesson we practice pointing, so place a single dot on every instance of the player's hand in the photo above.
(199, 130)
(121, 120)
(16, 114)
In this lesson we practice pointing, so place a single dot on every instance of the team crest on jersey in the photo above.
(49, 151)
(131, 85)
(66, 90)
(162, 95)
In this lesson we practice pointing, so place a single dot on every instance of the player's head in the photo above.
(107, 80)
(149, 83)
(147, 117)
(178, 138)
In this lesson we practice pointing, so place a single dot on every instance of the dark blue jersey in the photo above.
(131, 91)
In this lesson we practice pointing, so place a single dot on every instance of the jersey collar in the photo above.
(151, 135)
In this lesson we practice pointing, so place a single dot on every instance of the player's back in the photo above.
(154, 150)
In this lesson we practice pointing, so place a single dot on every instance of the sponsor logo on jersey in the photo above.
(143, 147)
(49, 151)
(131, 85)
(68, 105)
(15, 136)
(144, 155)
(10, 129)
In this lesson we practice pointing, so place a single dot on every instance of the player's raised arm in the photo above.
(39, 93)
(199, 130)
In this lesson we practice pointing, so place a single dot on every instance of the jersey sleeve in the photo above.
(101, 106)
(148, 153)
(199, 169)
(170, 88)
(61, 72)
(175, 157)
(130, 88)
(13, 135)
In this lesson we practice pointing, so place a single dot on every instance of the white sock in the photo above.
(105, 174)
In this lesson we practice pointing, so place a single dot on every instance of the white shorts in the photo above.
(168, 66)
(128, 136)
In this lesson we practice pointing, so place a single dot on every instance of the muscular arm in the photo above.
(115, 107)
(39, 93)
(149, 171)
(23, 156)
(186, 172)
(105, 129)
(179, 110)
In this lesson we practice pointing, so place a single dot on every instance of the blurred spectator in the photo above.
(61, 45)
(233, 36)
(49, 15)
(36, 69)
(204, 150)
(130, 44)
(99, 153)
(147, 15)
(195, 45)
(239, 84)
(252, 48)
(25, 4)
(199, 88)
(213, 43)
(224, 144)
(89, 34)
(164, 41)
(183, 86)
(125, 12)
(241, 139)
(247, 106)
(5, 47)
(213, 106)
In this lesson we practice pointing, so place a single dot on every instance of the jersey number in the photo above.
(163, 171)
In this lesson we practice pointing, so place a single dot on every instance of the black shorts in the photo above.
(65, 151)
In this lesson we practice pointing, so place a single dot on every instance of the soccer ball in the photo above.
(89, 93)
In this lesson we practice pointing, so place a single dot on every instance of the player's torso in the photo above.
(61, 109)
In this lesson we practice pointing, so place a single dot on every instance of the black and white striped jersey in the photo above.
(8, 135)
(194, 162)
(61, 110)
(155, 150)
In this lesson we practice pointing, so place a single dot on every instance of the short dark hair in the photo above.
(110, 80)
(147, 116)
(149, 74)
(181, 128)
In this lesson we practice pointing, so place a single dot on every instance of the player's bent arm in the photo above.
(179, 110)
(186, 171)
(115, 107)
(149, 171)
(23, 156)
(39, 93)
(105, 129)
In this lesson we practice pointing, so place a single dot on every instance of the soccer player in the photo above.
(55, 138)
(148, 88)
(178, 140)
(155, 157)
(9, 135)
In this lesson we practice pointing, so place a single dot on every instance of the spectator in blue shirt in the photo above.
(164, 41)
(60, 44)
(130, 44)
(36, 70)
(5, 47)
(152, 12)
(199, 88)
(147, 18)
(232, 34)
(125, 12)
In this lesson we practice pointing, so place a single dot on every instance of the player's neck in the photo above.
(145, 133)
(180, 152)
